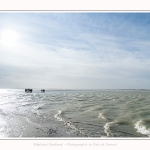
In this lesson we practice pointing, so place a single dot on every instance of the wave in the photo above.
(107, 128)
(141, 128)
(38, 107)
(68, 123)
(61, 119)
(113, 130)
(107, 99)
(58, 117)
(101, 116)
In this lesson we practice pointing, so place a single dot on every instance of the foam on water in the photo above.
(68, 123)
(107, 128)
(141, 128)
(57, 116)
(101, 116)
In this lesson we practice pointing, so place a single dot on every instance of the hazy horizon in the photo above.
(69, 50)
(74, 88)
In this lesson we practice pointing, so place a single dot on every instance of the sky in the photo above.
(75, 50)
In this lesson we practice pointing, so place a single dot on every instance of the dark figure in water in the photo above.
(42, 91)
(28, 90)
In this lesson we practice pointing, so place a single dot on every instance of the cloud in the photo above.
(76, 51)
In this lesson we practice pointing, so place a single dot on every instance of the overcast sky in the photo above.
(75, 50)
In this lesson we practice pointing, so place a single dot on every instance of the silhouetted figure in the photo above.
(28, 90)
(42, 91)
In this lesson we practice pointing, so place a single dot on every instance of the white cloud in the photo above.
(59, 55)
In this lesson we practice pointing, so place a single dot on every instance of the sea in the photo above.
(75, 113)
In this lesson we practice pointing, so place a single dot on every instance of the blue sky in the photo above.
(73, 50)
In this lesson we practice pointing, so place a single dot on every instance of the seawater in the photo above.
(75, 113)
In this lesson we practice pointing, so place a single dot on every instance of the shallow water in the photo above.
(75, 113)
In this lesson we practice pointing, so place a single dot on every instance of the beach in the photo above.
(30, 123)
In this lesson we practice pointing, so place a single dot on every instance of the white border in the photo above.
(82, 6)
(77, 5)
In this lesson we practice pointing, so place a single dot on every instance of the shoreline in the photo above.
(22, 127)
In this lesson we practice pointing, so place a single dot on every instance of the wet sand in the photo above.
(22, 127)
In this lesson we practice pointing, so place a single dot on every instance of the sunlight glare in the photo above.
(9, 37)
